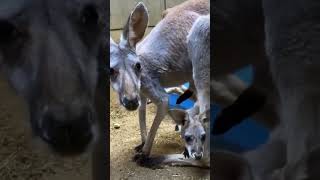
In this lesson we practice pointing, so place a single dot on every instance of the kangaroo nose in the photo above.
(67, 136)
(131, 104)
(198, 156)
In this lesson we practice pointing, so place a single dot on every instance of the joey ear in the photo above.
(135, 27)
(205, 116)
(178, 115)
(111, 41)
(194, 110)
(113, 45)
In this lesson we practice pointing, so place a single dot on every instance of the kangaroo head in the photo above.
(125, 65)
(193, 130)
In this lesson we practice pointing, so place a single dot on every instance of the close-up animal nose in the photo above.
(67, 136)
(131, 104)
(198, 156)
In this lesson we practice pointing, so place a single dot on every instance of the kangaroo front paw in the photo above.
(146, 161)
(138, 148)
(186, 153)
(177, 128)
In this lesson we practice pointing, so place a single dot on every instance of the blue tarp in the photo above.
(246, 136)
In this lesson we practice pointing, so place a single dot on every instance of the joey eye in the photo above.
(203, 137)
(188, 138)
(183, 122)
(8, 31)
(113, 72)
(89, 15)
(138, 66)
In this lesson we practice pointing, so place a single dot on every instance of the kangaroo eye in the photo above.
(7, 31)
(89, 15)
(203, 137)
(188, 138)
(138, 66)
(113, 72)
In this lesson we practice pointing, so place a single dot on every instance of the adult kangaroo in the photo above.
(161, 60)
(195, 122)
(50, 52)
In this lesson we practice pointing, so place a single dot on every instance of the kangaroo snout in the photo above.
(130, 104)
(197, 154)
(67, 136)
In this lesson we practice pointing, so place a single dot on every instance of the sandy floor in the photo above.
(21, 157)
(124, 139)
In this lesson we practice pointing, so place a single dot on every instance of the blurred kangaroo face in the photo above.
(125, 65)
(192, 131)
(48, 51)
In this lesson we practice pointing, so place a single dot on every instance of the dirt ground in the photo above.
(22, 158)
(124, 139)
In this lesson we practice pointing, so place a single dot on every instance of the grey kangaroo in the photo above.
(50, 52)
(145, 69)
(195, 122)
(194, 131)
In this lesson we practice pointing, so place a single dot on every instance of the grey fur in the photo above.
(49, 54)
(162, 56)
(292, 49)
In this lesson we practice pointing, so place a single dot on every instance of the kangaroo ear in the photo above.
(194, 110)
(165, 12)
(178, 115)
(111, 41)
(136, 26)
(205, 116)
